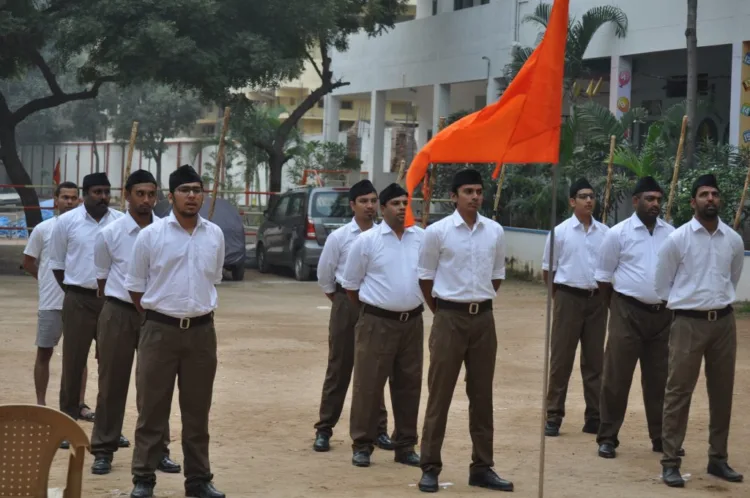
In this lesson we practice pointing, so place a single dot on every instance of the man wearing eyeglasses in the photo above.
(176, 263)
(580, 312)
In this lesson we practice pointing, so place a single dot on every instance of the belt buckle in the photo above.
(473, 308)
(404, 316)
(712, 316)
(656, 307)
(184, 323)
(591, 293)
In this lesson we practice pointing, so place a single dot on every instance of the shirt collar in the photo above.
(696, 225)
(385, 229)
(132, 225)
(458, 220)
(172, 219)
(575, 222)
(353, 226)
(638, 223)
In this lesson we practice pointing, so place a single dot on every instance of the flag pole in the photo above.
(548, 327)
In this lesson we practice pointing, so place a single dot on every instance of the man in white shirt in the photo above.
(49, 325)
(461, 266)
(363, 200)
(177, 262)
(381, 277)
(580, 312)
(119, 322)
(697, 272)
(639, 321)
(71, 260)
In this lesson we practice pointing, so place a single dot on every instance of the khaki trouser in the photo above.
(635, 334)
(576, 318)
(457, 338)
(117, 339)
(690, 340)
(166, 353)
(386, 348)
(344, 315)
(80, 314)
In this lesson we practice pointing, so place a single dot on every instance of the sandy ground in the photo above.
(272, 356)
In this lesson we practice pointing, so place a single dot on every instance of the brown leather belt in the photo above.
(653, 308)
(401, 316)
(122, 303)
(577, 291)
(82, 290)
(470, 308)
(710, 315)
(183, 323)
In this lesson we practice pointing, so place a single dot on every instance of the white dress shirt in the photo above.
(333, 257)
(463, 261)
(177, 271)
(384, 268)
(38, 247)
(576, 253)
(72, 245)
(697, 270)
(113, 251)
(628, 256)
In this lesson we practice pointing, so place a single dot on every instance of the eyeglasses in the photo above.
(583, 197)
(189, 190)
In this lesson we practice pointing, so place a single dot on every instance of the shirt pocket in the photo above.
(208, 258)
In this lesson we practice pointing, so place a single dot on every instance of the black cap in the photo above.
(580, 184)
(95, 180)
(183, 174)
(139, 176)
(466, 177)
(647, 184)
(361, 188)
(708, 180)
(391, 192)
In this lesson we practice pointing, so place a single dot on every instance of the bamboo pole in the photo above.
(219, 162)
(676, 172)
(500, 182)
(743, 198)
(610, 168)
(401, 172)
(128, 162)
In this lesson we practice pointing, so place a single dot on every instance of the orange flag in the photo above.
(56, 173)
(522, 127)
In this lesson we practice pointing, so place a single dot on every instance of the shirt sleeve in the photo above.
(609, 257)
(220, 258)
(35, 244)
(327, 264)
(545, 257)
(356, 265)
(58, 245)
(738, 261)
(498, 270)
(429, 255)
(135, 281)
(102, 257)
(667, 262)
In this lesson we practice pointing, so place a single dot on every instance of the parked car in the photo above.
(296, 225)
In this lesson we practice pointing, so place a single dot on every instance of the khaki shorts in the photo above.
(49, 328)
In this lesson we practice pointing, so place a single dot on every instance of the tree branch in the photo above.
(51, 101)
(314, 65)
(49, 76)
(264, 146)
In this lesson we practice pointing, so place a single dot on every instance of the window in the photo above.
(280, 211)
(208, 130)
(401, 108)
(347, 105)
(296, 205)
(331, 205)
(434, 7)
(465, 4)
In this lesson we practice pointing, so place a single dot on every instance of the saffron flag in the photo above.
(523, 126)
(56, 173)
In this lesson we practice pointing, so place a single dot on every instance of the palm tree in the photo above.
(580, 34)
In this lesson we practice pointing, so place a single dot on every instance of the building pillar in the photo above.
(441, 105)
(445, 6)
(377, 140)
(493, 90)
(424, 8)
(739, 98)
(424, 116)
(331, 112)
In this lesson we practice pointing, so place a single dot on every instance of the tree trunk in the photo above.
(692, 81)
(19, 176)
(96, 152)
(157, 159)
(276, 162)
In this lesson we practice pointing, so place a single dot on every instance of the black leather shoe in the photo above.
(724, 471)
(101, 466)
(658, 447)
(361, 459)
(142, 490)
(607, 450)
(65, 445)
(123, 442)
(672, 477)
(429, 482)
(591, 426)
(203, 489)
(322, 442)
(384, 442)
(409, 458)
(169, 466)
(551, 430)
(490, 480)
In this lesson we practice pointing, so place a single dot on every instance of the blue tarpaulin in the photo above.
(21, 223)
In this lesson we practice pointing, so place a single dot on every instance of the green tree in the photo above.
(321, 156)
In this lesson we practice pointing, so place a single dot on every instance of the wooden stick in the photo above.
(743, 198)
(128, 162)
(608, 189)
(676, 172)
(500, 182)
(219, 162)
(401, 172)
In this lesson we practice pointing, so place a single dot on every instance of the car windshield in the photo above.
(331, 205)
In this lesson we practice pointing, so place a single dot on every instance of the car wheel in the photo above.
(238, 272)
(302, 271)
(263, 265)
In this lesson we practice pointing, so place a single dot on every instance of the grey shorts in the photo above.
(49, 328)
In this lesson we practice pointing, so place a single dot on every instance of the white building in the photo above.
(452, 57)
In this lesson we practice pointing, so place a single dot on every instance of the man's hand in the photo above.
(426, 287)
(331, 296)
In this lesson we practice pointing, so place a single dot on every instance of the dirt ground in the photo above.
(272, 357)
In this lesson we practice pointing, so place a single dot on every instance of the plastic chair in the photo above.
(29, 437)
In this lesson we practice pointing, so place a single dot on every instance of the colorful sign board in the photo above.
(745, 96)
